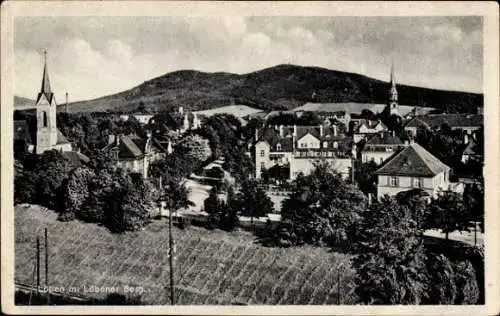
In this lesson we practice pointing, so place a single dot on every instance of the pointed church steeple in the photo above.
(393, 92)
(45, 89)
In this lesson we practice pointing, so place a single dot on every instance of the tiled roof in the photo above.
(413, 160)
(128, 148)
(61, 139)
(75, 158)
(383, 139)
(453, 120)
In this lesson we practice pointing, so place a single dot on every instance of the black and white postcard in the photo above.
(250, 157)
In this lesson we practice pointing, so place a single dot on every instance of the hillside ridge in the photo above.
(281, 87)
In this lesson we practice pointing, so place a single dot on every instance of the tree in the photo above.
(447, 148)
(134, 210)
(442, 286)
(390, 267)
(448, 213)
(196, 147)
(364, 175)
(229, 219)
(212, 205)
(51, 169)
(76, 192)
(466, 283)
(416, 200)
(474, 201)
(175, 195)
(253, 200)
(323, 208)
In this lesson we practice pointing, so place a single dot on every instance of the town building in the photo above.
(413, 168)
(48, 136)
(134, 153)
(471, 152)
(469, 123)
(301, 147)
(366, 128)
(380, 147)
(191, 121)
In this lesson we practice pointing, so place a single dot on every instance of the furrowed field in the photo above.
(212, 267)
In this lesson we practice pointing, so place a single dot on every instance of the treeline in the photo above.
(98, 192)
(386, 237)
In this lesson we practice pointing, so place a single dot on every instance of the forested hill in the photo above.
(279, 87)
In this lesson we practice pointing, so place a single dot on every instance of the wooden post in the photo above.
(338, 286)
(32, 283)
(171, 255)
(37, 264)
(475, 233)
(47, 266)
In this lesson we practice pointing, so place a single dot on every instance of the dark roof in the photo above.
(381, 139)
(45, 89)
(133, 146)
(453, 120)
(128, 148)
(75, 158)
(413, 160)
(61, 139)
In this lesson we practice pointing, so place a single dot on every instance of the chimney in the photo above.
(295, 130)
(181, 110)
(256, 134)
(382, 135)
(281, 130)
(466, 139)
(321, 130)
(66, 104)
(406, 142)
(393, 133)
(334, 130)
(111, 139)
(117, 138)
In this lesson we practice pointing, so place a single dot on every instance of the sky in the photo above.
(90, 57)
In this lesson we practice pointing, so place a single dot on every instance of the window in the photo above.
(418, 183)
(335, 145)
(445, 176)
(262, 165)
(304, 145)
(262, 153)
(44, 119)
(381, 160)
(325, 144)
(278, 146)
(393, 181)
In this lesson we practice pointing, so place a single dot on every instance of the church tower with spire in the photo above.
(393, 94)
(47, 135)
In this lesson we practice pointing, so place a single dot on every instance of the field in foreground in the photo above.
(212, 267)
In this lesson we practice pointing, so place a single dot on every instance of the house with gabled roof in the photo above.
(134, 153)
(380, 147)
(412, 168)
(366, 128)
(300, 147)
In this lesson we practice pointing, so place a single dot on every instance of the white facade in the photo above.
(392, 185)
(306, 165)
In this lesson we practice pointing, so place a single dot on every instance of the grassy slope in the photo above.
(279, 87)
(213, 267)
